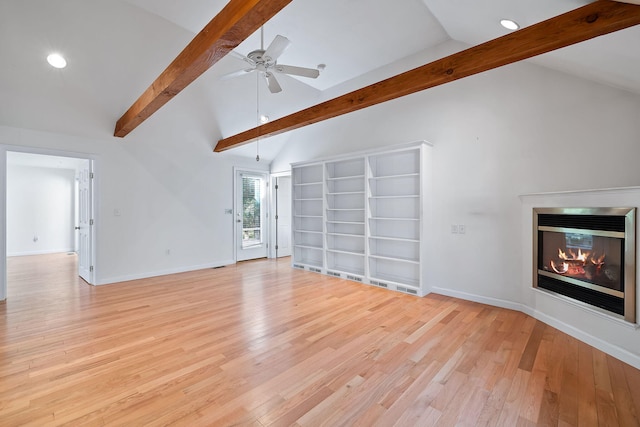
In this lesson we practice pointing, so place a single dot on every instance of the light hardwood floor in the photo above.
(261, 344)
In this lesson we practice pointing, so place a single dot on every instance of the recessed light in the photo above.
(56, 60)
(509, 24)
(264, 119)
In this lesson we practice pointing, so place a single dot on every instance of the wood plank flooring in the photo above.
(261, 344)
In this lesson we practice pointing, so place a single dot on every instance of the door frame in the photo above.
(267, 198)
(4, 148)
(272, 221)
(88, 276)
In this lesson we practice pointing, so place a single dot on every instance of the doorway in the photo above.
(281, 218)
(48, 206)
(251, 206)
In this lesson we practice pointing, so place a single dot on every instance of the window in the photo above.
(251, 215)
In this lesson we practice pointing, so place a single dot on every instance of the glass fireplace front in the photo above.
(583, 256)
(588, 255)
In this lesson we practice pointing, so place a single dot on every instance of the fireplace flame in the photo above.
(580, 256)
(597, 261)
(574, 263)
(563, 268)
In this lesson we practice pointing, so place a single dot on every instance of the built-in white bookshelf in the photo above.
(307, 206)
(362, 217)
(395, 205)
(345, 217)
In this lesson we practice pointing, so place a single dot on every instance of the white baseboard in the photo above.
(128, 277)
(479, 298)
(43, 252)
(613, 350)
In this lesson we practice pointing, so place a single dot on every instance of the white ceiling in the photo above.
(116, 48)
(351, 37)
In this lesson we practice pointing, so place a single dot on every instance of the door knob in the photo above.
(238, 220)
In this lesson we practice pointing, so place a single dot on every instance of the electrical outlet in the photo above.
(454, 229)
(462, 229)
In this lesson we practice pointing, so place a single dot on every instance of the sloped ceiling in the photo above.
(611, 59)
(116, 48)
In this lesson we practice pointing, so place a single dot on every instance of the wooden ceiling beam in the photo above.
(593, 20)
(235, 22)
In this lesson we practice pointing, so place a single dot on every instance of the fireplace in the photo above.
(587, 255)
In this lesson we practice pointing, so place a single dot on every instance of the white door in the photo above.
(85, 222)
(251, 215)
(283, 216)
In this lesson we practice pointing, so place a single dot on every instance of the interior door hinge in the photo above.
(91, 175)
(90, 222)
(276, 247)
(91, 268)
(277, 186)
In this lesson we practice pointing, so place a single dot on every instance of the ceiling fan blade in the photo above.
(236, 73)
(237, 55)
(272, 83)
(250, 61)
(275, 49)
(312, 73)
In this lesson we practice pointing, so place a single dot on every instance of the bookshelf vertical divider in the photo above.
(365, 217)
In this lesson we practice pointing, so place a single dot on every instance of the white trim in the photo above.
(4, 148)
(126, 278)
(384, 149)
(570, 192)
(49, 251)
(271, 252)
(479, 298)
(589, 309)
(265, 173)
(613, 350)
(3, 223)
(280, 174)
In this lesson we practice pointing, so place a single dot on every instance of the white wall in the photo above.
(171, 194)
(40, 211)
(170, 188)
(511, 131)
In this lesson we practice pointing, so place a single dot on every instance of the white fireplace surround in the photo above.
(608, 333)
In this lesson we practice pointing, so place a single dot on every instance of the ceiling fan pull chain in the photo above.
(258, 111)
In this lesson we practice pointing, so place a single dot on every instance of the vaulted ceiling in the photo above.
(116, 48)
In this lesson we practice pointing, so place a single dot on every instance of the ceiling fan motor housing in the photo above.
(265, 61)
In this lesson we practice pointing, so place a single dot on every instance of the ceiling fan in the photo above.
(266, 62)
